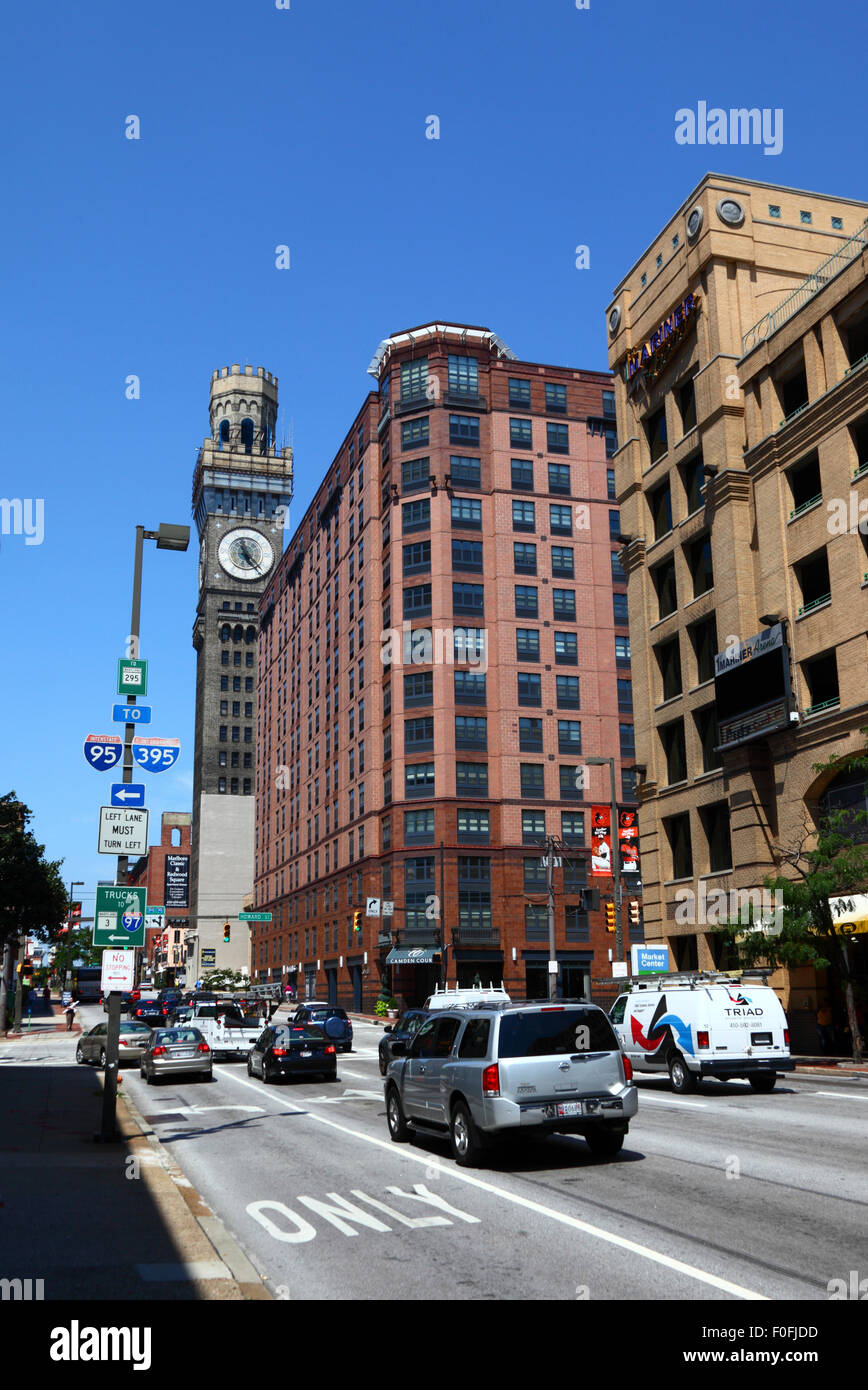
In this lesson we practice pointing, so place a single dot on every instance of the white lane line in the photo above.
(840, 1095)
(644, 1251)
(357, 1075)
(670, 1100)
(263, 1094)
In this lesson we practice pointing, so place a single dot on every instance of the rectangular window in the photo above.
(415, 474)
(519, 391)
(663, 578)
(627, 740)
(522, 475)
(567, 692)
(703, 638)
(686, 398)
(536, 922)
(532, 780)
(473, 827)
(625, 696)
(471, 779)
(417, 560)
(533, 827)
(660, 503)
(668, 656)
(417, 601)
(577, 926)
(556, 399)
(523, 516)
(569, 784)
(469, 687)
(414, 380)
(467, 555)
(619, 574)
(467, 513)
(557, 438)
(530, 735)
(469, 644)
(527, 644)
(564, 604)
(520, 434)
(559, 478)
(468, 598)
(471, 731)
(464, 429)
(699, 561)
(529, 688)
(573, 827)
(419, 688)
(560, 519)
(535, 874)
(715, 823)
(416, 516)
(677, 830)
(566, 649)
(705, 720)
(526, 601)
(655, 433)
(463, 376)
(419, 734)
(418, 780)
(464, 472)
(570, 736)
(419, 827)
(414, 433)
(524, 558)
(563, 562)
(610, 485)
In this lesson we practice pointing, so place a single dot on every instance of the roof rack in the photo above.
(695, 978)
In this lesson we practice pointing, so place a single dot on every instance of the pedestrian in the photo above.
(825, 1028)
(70, 1013)
(46, 994)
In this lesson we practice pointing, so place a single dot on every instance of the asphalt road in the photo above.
(721, 1195)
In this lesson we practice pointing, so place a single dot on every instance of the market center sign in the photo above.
(651, 357)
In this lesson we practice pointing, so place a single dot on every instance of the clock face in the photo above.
(245, 554)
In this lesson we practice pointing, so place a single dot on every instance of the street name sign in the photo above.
(254, 916)
(103, 751)
(156, 754)
(122, 830)
(131, 714)
(155, 911)
(127, 794)
(118, 970)
(120, 916)
(132, 677)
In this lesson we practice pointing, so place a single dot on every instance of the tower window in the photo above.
(247, 435)
(223, 436)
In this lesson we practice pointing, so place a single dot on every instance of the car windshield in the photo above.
(326, 1012)
(555, 1031)
(168, 1036)
(299, 1032)
(135, 1028)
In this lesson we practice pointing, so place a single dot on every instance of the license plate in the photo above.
(569, 1107)
(306, 1054)
(185, 1052)
(761, 1039)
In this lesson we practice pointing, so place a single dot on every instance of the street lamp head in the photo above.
(171, 537)
(597, 762)
(769, 619)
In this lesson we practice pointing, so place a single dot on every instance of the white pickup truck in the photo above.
(225, 1029)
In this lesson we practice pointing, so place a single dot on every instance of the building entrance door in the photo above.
(332, 984)
(356, 979)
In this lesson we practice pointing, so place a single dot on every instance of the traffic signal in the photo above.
(226, 930)
(358, 917)
(610, 916)
(635, 915)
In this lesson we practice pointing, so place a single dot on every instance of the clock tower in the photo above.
(242, 488)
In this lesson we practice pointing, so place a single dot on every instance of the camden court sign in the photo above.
(648, 360)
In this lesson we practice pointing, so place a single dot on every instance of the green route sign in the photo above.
(254, 916)
(132, 676)
(119, 916)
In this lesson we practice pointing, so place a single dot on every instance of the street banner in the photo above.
(176, 883)
(601, 842)
(628, 841)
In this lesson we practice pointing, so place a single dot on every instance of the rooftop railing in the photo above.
(816, 281)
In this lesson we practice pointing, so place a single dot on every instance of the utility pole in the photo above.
(616, 850)
(550, 884)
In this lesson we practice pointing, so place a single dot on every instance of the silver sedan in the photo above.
(134, 1037)
(176, 1050)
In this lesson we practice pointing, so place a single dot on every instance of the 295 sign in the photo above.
(156, 754)
(103, 751)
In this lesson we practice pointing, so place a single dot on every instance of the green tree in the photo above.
(32, 895)
(828, 861)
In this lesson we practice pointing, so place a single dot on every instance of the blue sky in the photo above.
(306, 127)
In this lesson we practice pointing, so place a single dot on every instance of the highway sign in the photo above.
(122, 830)
(118, 970)
(155, 911)
(103, 751)
(120, 916)
(132, 677)
(254, 916)
(127, 794)
(156, 754)
(131, 714)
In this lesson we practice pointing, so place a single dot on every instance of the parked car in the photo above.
(224, 1026)
(134, 1038)
(292, 1049)
(174, 1051)
(403, 1031)
(483, 1073)
(704, 1024)
(147, 1011)
(181, 1013)
(337, 1025)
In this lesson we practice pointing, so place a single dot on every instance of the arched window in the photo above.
(247, 435)
(225, 632)
(848, 792)
(224, 433)
(250, 635)
(238, 634)
(176, 838)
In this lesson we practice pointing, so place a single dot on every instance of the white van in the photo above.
(701, 1024)
(463, 997)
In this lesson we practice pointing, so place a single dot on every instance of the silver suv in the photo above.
(485, 1072)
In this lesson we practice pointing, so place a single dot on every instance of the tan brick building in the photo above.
(739, 342)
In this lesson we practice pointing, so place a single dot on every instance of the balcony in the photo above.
(476, 936)
(832, 266)
(411, 403)
(459, 401)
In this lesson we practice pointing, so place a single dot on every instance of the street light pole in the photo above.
(616, 850)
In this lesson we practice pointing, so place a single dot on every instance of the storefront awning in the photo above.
(851, 912)
(413, 955)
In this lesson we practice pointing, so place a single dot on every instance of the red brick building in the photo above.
(165, 872)
(443, 642)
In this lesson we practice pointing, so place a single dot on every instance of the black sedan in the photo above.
(148, 1011)
(293, 1049)
(332, 1019)
(403, 1031)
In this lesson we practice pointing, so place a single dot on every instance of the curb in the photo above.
(227, 1251)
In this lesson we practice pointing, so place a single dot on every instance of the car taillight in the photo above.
(786, 1037)
(701, 1039)
(628, 1068)
(278, 1052)
(159, 1051)
(330, 1048)
(122, 1042)
(203, 1047)
(491, 1081)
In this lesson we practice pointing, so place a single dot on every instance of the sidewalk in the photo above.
(44, 1018)
(94, 1220)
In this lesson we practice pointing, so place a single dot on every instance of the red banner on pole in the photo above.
(601, 842)
(628, 841)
